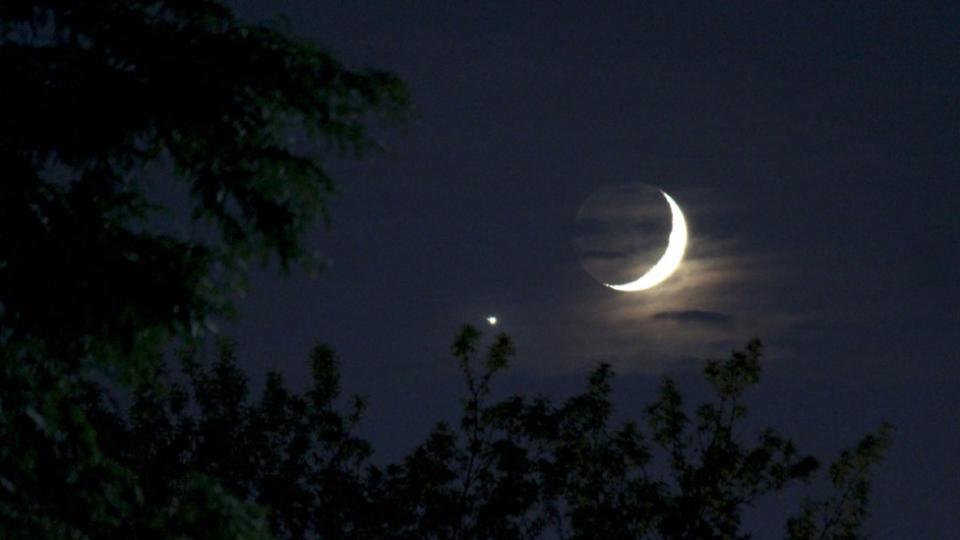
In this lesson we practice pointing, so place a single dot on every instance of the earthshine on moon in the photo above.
(676, 245)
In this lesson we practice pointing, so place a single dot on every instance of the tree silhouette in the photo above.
(522, 467)
(93, 279)
(94, 94)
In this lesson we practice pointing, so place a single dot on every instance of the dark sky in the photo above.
(813, 147)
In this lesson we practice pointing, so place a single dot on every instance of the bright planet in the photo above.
(630, 237)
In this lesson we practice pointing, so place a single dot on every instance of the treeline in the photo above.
(206, 459)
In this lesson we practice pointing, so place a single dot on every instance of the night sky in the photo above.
(813, 148)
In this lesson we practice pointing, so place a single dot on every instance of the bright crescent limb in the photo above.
(676, 245)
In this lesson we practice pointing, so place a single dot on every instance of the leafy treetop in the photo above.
(206, 459)
(96, 92)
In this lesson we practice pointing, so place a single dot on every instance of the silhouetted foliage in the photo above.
(93, 94)
(207, 456)
(526, 468)
(841, 516)
(96, 98)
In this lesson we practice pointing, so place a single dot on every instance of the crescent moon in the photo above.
(676, 245)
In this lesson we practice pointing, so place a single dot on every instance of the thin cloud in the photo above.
(603, 255)
(694, 316)
(591, 227)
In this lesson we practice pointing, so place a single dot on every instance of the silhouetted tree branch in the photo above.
(96, 93)
(521, 467)
(97, 98)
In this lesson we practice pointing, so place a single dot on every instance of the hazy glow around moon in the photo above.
(671, 258)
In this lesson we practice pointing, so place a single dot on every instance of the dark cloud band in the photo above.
(694, 316)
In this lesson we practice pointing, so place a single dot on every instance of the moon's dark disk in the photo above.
(621, 231)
